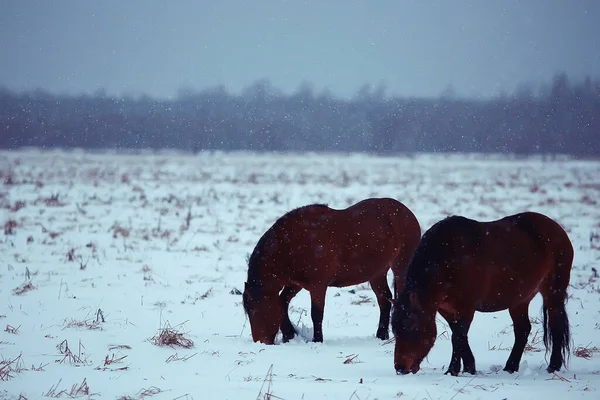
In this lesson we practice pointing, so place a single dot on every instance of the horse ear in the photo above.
(414, 301)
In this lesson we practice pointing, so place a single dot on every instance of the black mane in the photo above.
(427, 258)
(254, 281)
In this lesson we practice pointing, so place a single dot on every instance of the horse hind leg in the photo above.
(556, 322)
(554, 294)
(287, 294)
(317, 307)
(522, 329)
(383, 293)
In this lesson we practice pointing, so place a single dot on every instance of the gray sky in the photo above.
(416, 47)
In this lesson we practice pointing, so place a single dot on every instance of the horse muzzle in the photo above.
(403, 370)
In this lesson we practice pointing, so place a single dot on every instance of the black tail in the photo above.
(557, 331)
(555, 240)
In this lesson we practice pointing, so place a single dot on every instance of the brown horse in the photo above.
(314, 247)
(462, 266)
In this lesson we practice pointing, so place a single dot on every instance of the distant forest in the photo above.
(559, 117)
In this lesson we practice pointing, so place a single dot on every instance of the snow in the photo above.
(123, 218)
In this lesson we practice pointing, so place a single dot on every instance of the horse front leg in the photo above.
(461, 350)
(384, 300)
(287, 294)
(317, 307)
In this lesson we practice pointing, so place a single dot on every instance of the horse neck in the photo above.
(261, 281)
(428, 301)
(424, 277)
(427, 292)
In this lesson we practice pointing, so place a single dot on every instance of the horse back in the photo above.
(546, 230)
(495, 264)
(317, 244)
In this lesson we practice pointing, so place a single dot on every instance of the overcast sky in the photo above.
(415, 47)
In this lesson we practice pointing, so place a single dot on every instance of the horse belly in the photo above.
(355, 275)
(492, 306)
(504, 300)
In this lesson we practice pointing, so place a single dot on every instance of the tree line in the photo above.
(560, 117)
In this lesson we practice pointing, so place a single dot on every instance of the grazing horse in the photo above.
(461, 266)
(315, 247)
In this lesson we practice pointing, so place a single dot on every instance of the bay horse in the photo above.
(315, 247)
(461, 266)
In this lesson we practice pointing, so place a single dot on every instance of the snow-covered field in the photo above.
(102, 252)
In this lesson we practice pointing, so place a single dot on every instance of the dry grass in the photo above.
(9, 179)
(88, 324)
(197, 296)
(497, 347)
(19, 204)
(445, 335)
(118, 230)
(9, 227)
(23, 288)
(362, 299)
(92, 324)
(71, 255)
(77, 390)
(119, 347)
(556, 377)
(534, 345)
(27, 285)
(535, 320)
(352, 359)
(39, 368)
(75, 359)
(110, 361)
(9, 367)
(536, 342)
(176, 357)
(188, 220)
(266, 389)
(143, 393)
(12, 330)
(171, 337)
(113, 360)
(586, 351)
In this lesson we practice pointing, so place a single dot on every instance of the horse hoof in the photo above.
(453, 373)
(383, 335)
(511, 370)
(552, 370)
(287, 337)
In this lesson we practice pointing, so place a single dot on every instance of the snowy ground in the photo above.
(106, 251)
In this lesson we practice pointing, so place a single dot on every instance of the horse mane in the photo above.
(426, 260)
(254, 278)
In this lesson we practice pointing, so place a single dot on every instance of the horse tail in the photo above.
(564, 337)
(557, 333)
